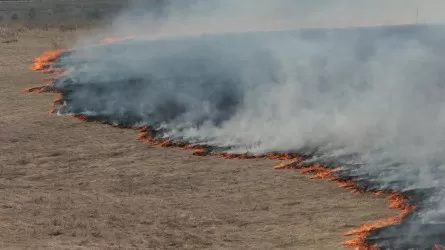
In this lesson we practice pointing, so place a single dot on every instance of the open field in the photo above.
(56, 10)
(65, 184)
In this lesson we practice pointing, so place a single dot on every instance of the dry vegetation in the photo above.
(8, 35)
(65, 184)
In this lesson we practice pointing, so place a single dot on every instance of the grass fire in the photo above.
(362, 107)
(222, 124)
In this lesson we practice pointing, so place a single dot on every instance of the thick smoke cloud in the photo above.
(371, 100)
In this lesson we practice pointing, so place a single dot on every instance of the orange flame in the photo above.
(44, 62)
(146, 135)
(58, 101)
(288, 164)
(397, 201)
(200, 152)
(38, 89)
(82, 118)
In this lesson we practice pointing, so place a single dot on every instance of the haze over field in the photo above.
(197, 16)
(371, 100)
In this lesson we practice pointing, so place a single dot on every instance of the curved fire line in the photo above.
(390, 233)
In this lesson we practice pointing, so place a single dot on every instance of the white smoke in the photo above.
(378, 94)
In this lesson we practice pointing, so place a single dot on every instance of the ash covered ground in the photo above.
(367, 100)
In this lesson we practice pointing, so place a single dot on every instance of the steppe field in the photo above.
(66, 184)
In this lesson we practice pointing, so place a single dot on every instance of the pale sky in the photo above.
(214, 16)
(329, 12)
(403, 11)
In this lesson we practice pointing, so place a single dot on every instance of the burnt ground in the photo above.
(65, 184)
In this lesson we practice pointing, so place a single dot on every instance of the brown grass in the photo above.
(65, 184)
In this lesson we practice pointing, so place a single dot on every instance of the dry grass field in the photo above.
(65, 184)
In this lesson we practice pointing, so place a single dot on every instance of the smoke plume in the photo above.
(246, 77)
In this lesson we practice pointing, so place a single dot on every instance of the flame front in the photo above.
(45, 61)
(289, 160)
(396, 201)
